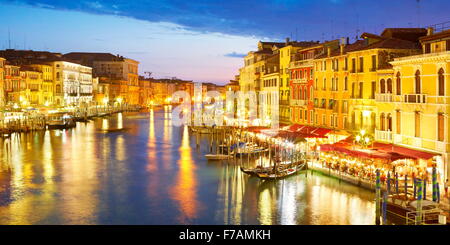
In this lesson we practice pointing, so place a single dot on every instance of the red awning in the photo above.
(256, 129)
(407, 152)
(309, 131)
(355, 151)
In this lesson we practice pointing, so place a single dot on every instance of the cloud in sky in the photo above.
(235, 55)
(166, 49)
(277, 19)
(199, 40)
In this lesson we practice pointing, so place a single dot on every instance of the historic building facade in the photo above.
(414, 110)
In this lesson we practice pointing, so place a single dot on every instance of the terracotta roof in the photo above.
(410, 34)
(370, 35)
(358, 45)
(385, 43)
(26, 57)
(264, 51)
(278, 44)
(93, 56)
(393, 43)
(435, 36)
(303, 44)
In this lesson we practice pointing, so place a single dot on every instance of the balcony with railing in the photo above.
(383, 97)
(298, 102)
(415, 98)
(382, 135)
(301, 63)
(284, 102)
(419, 142)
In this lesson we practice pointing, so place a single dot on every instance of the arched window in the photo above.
(305, 93)
(417, 79)
(398, 84)
(389, 122)
(441, 82)
(382, 86)
(382, 118)
(389, 86)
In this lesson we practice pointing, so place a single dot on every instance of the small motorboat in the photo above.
(403, 210)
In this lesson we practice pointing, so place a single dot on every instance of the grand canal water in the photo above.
(152, 173)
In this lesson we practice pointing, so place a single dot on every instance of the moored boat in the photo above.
(403, 210)
(60, 120)
(217, 156)
(279, 174)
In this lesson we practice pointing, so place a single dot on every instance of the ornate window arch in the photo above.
(389, 86)
(441, 82)
(389, 122)
(418, 87)
(382, 86)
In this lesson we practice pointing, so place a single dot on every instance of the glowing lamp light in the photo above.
(366, 139)
(366, 113)
(363, 132)
(358, 138)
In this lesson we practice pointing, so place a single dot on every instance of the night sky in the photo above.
(199, 40)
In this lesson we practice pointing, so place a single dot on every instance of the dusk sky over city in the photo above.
(202, 40)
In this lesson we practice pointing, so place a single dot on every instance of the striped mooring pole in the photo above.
(435, 185)
(419, 201)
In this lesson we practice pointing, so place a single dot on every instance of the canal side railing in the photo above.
(363, 182)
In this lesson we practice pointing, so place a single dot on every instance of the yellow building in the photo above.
(47, 82)
(269, 88)
(33, 92)
(250, 73)
(414, 111)
(346, 78)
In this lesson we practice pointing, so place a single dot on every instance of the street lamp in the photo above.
(362, 138)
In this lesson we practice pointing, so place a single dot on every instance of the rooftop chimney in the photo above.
(342, 44)
(329, 51)
(430, 31)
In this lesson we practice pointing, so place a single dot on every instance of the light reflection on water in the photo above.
(154, 174)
